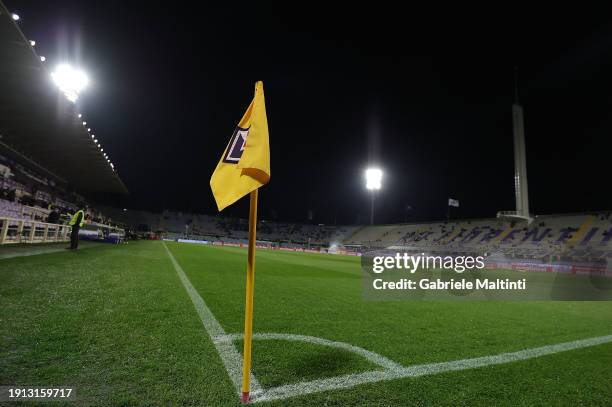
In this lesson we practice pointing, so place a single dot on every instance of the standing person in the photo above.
(77, 221)
(53, 216)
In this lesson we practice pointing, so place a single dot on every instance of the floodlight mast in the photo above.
(373, 183)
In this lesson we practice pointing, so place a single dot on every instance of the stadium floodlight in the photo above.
(80, 115)
(32, 42)
(373, 183)
(88, 129)
(373, 178)
(15, 16)
(43, 58)
(70, 81)
(84, 123)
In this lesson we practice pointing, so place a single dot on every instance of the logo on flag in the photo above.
(236, 146)
(453, 202)
(244, 167)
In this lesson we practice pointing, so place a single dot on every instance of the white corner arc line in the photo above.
(351, 380)
(223, 342)
(373, 357)
(227, 351)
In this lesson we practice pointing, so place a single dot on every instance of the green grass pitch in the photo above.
(116, 323)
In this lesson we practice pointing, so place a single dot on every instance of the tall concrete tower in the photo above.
(520, 163)
(521, 193)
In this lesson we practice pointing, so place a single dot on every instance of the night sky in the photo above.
(424, 94)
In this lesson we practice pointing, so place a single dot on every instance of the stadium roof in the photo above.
(38, 121)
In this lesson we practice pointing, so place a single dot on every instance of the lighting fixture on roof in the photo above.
(15, 16)
(88, 129)
(80, 115)
(43, 58)
(70, 81)
(32, 42)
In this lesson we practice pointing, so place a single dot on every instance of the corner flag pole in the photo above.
(248, 309)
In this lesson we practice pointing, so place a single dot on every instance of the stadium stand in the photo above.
(48, 159)
(578, 239)
(572, 239)
(35, 204)
(178, 225)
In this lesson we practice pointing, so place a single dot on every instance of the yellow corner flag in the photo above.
(242, 169)
(245, 163)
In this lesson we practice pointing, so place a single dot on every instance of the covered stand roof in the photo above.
(38, 121)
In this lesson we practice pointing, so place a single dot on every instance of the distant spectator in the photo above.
(53, 216)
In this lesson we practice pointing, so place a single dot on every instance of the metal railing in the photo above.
(32, 231)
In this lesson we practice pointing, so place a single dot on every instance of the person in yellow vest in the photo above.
(77, 221)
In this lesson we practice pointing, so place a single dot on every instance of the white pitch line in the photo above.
(227, 351)
(351, 380)
(232, 361)
(373, 357)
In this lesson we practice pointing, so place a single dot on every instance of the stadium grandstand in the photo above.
(49, 160)
(548, 242)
